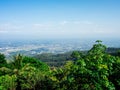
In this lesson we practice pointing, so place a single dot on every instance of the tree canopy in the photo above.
(95, 70)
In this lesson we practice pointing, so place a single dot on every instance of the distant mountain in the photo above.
(113, 51)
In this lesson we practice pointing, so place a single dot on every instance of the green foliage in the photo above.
(54, 60)
(4, 71)
(91, 71)
(118, 52)
(76, 55)
(28, 77)
(17, 63)
(97, 48)
(95, 70)
(2, 60)
(114, 76)
(8, 82)
(36, 63)
(3, 65)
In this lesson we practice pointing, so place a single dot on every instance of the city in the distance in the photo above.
(55, 46)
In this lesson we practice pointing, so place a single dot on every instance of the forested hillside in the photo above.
(57, 60)
(95, 69)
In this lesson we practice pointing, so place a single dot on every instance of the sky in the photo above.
(37, 19)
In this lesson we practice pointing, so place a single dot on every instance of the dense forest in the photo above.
(95, 69)
(57, 60)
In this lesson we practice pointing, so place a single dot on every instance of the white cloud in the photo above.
(10, 27)
(66, 28)
(38, 25)
(2, 31)
(87, 22)
(64, 22)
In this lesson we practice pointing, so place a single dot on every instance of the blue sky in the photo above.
(59, 19)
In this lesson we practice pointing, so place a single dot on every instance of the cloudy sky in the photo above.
(59, 19)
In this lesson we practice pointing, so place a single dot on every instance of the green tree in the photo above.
(28, 71)
(36, 63)
(76, 55)
(115, 73)
(92, 71)
(95, 70)
(8, 82)
(2, 60)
